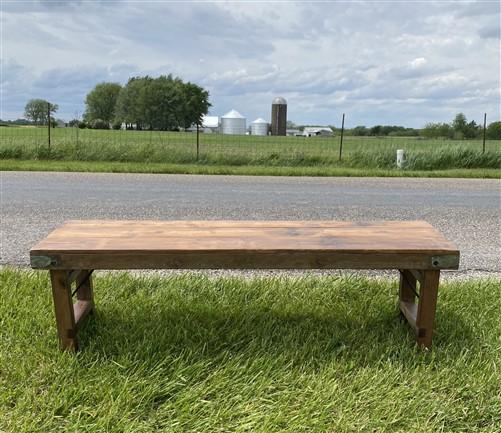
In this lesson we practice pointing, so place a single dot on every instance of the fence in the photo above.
(183, 147)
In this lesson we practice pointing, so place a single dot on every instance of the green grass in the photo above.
(248, 170)
(192, 354)
(70, 144)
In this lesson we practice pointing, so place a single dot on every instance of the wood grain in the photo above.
(243, 244)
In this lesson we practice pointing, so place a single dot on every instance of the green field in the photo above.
(189, 353)
(71, 144)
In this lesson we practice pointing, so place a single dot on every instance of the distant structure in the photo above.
(233, 123)
(210, 124)
(259, 127)
(318, 131)
(294, 132)
(279, 116)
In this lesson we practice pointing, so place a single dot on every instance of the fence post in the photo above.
(48, 123)
(198, 141)
(483, 144)
(341, 143)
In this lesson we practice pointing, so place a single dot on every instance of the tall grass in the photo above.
(69, 144)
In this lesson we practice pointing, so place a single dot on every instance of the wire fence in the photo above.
(189, 147)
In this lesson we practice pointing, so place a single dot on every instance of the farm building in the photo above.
(233, 123)
(293, 132)
(318, 131)
(259, 127)
(210, 124)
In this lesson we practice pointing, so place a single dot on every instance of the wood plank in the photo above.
(178, 236)
(409, 310)
(81, 310)
(241, 260)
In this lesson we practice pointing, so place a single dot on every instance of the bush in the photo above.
(75, 123)
(494, 131)
(99, 124)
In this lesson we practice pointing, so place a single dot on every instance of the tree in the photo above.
(101, 102)
(360, 130)
(472, 130)
(36, 110)
(163, 103)
(459, 124)
(128, 107)
(436, 130)
(493, 131)
(195, 104)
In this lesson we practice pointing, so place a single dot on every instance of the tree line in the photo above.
(459, 129)
(165, 103)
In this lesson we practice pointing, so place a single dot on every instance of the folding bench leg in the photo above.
(63, 304)
(69, 315)
(85, 296)
(427, 306)
(420, 315)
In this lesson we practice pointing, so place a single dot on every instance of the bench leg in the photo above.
(65, 318)
(420, 315)
(85, 296)
(69, 315)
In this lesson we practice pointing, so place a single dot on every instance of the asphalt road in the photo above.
(466, 211)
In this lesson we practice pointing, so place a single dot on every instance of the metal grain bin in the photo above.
(233, 123)
(259, 127)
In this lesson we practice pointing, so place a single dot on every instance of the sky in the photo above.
(380, 62)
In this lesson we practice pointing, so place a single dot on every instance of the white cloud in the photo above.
(380, 62)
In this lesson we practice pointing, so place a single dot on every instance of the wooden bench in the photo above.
(73, 251)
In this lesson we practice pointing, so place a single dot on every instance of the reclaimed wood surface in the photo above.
(109, 244)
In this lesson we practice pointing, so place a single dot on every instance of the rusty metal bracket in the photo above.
(38, 262)
(445, 262)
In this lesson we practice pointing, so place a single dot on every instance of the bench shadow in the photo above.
(303, 338)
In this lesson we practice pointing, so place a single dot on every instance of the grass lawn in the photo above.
(192, 354)
(249, 170)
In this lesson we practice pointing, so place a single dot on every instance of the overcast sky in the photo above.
(379, 62)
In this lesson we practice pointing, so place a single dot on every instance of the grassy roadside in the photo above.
(138, 167)
(188, 353)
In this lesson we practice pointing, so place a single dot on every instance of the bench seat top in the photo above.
(112, 244)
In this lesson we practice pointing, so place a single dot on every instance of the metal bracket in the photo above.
(42, 261)
(445, 261)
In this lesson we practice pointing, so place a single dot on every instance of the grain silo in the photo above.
(259, 127)
(279, 116)
(233, 123)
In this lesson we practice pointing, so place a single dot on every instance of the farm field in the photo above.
(72, 144)
(186, 353)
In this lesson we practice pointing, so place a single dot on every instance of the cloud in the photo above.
(379, 62)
